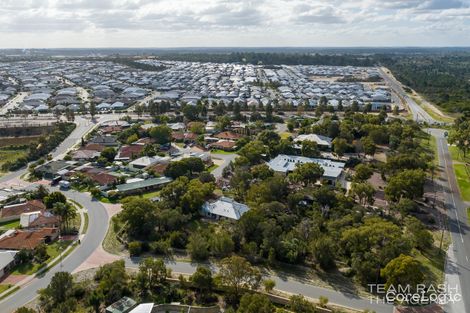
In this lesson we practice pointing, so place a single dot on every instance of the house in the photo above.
(52, 169)
(143, 308)
(228, 135)
(108, 141)
(44, 220)
(224, 207)
(14, 211)
(333, 171)
(28, 239)
(124, 305)
(28, 217)
(146, 161)
(129, 152)
(143, 185)
(322, 141)
(7, 261)
(226, 145)
(82, 154)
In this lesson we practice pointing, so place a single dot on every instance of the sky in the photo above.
(224, 23)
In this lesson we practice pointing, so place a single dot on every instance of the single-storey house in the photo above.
(143, 185)
(28, 239)
(14, 211)
(7, 261)
(333, 171)
(124, 305)
(322, 141)
(224, 207)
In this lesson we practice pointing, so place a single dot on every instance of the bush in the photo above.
(135, 248)
(160, 247)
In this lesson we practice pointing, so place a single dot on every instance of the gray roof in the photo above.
(6, 257)
(226, 207)
(143, 184)
(287, 163)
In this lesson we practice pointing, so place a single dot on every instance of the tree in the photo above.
(406, 184)
(324, 250)
(221, 244)
(223, 122)
(113, 281)
(66, 212)
(92, 109)
(40, 253)
(307, 173)
(298, 304)
(362, 172)
(152, 273)
(402, 271)
(198, 127)
(310, 149)
(255, 303)
(54, 197)
(139, 216)
(161, 134)
(364, 192)
(368, 146)
(198, 247)
(254, 151)
(58, 291)
(202, 279)
(191, 112)
(422, 238)
(108, 153)
(269, 285)
(340, 145)
(237, 274)
(94, 300)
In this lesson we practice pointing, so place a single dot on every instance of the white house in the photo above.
(224, 207)
(146, 161)
(7, 260)
(287, 163)
(28, 217)
(322, 141)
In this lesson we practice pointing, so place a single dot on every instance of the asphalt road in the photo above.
(93, 238)
(287, 284)
(458, 265)
(419, 114)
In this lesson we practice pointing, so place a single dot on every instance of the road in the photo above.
(93, 238)
(286, 284)
(419, 114)
(13, 103)
(458, 265)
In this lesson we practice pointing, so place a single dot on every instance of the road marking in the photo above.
(466, 258)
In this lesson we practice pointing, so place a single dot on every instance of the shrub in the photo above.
(135, 248)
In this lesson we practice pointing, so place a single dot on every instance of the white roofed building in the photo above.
(224, 207)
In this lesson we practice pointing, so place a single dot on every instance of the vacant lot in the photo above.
(17, 141)
(10, 155)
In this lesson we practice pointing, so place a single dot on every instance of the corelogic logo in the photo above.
(415, 295)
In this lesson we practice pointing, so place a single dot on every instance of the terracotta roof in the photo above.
(145, 141)
(94, 147)
(159, 168)
(128, 152)
(228, 135)
(45, 221)
(223, 144)
(101, 177)
(177, 136)
(27, 239)
(17, 209)
(111, 129)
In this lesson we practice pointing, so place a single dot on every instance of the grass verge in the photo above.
(4, 287)
(85, 222)
(111, 243)
(463, 180)
(431, 112)
(217, 151)
(30, 268)
(211, 168)
(11, 291)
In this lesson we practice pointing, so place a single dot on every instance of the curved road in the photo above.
(93, 238)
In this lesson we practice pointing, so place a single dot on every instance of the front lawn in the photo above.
(463, 180)
(10, 225)
(218, 151)
(211, 168)
(53, 250)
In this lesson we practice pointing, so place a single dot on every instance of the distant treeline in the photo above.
(273, 58)
(443, 79)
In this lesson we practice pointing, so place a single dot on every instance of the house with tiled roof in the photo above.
(28, 239)
(226, 145)
(14, 211)
(228, 135)
(129, 152)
